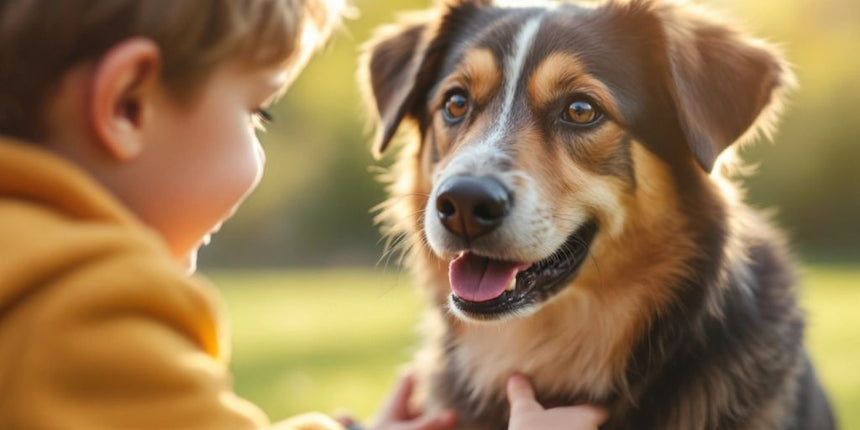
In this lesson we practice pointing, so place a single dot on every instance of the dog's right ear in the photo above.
(388, 70)
(402, 62)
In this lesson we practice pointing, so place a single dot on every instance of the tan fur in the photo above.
(448, 144)
(563, 73)
(569, 186)
(478, 72)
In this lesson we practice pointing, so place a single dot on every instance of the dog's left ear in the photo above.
(723, 83)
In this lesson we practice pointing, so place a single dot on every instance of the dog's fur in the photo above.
(684, 316)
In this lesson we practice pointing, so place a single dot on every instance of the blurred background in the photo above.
(318, 324)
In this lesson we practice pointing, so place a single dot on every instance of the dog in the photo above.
(566, 199)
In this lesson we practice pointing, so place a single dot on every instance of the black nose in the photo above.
(471, 207)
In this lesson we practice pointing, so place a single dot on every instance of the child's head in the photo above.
(155, 98)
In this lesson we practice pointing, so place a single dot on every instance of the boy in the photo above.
(126, 139)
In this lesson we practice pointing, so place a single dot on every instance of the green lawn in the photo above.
(324, 340)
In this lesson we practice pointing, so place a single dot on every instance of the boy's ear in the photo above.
(723, 84)
(123, 83)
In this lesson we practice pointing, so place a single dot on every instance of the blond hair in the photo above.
(42, 39)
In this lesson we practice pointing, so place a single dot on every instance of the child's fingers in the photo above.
(309, 421)
(587, 415)
(345, 419)
(443, 421)
(397, 405)
(521, 395)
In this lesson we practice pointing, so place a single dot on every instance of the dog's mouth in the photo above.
(487, 289)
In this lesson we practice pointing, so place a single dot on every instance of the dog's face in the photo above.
(548, 133)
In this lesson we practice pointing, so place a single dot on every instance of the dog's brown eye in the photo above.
(456, 107)
(581, 112)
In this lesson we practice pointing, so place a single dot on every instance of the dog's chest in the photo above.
(566, 366)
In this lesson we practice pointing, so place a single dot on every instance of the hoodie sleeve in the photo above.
(122, 340)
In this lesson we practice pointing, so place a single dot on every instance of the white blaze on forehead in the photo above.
(479, 156)
(513, 71)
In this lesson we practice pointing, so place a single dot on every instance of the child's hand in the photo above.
(528, 414)
(308, 421)
(396, 413)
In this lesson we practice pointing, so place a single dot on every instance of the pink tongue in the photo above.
(480, 279)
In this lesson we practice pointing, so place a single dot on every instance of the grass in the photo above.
(324, 340)
(832, 299)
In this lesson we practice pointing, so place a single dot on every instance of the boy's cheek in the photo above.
(243, 176)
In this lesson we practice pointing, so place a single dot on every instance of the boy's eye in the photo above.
(264, 115)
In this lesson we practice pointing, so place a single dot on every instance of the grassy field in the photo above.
(325, 340)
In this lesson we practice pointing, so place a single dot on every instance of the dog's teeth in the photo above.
(512, 285)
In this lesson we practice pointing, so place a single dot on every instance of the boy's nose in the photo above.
(471, 207)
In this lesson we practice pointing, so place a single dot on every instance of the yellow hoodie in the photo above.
(99, 328)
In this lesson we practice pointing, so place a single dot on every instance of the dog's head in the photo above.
(546, 133)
